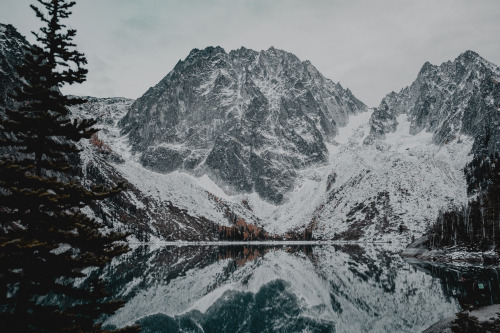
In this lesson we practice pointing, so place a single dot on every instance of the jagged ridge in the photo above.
(249, 119)
(457, 97)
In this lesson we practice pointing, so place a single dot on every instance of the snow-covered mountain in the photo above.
(132, 210)
(104, 159)
(264, 138)
(12, 50)
(377, 179)
(250, 120)
(457, 97)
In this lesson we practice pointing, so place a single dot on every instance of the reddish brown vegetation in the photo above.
(99, 144)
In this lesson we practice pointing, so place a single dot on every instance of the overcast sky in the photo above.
(372, 47)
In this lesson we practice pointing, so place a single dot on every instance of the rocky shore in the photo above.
(420, 250)
(483, 314)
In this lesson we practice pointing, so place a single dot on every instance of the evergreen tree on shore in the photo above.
(46, 241)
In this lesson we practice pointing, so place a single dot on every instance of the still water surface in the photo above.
(300, 288)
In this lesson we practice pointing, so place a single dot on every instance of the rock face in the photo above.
(132, 210)
(457, 97)
(12, 50)
(249, 119)
(385, 176)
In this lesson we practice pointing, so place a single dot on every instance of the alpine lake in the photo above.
(284, 288)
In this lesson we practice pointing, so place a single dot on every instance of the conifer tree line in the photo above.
(475, 225)
(46, 241)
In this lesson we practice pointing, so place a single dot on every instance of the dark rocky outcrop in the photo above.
(12, 50)
(248, 119)
(457, 97)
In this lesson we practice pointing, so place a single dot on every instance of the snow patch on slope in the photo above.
(404, 180)
(179, 188)
(367, 189)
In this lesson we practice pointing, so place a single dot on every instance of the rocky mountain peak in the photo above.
(7, 31)
(243, 53)
(258, 124)
(427, 68)
(469, 56)
(454, 98)
(249, 119)
(208, 52)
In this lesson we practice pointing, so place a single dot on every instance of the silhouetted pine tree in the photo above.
(46, 241)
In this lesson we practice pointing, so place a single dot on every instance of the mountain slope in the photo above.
(416, 146)
(12, 50)
(134, 209)
(248, 119)
(457, 97)
(384, 174)
(392, 189)
(364, 192)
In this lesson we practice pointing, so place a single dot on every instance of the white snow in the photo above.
(179, 188)
(418, 176)
(356, 129)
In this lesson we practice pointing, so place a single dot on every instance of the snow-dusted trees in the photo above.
(46, 240)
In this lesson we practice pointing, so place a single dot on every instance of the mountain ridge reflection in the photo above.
(277, 288)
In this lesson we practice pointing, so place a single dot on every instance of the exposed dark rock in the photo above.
(12, 50)
(249, 119)
(457, 97)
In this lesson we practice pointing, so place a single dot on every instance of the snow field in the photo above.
(416, 176)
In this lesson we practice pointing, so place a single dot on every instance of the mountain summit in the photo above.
(457, 97)
(248, 119)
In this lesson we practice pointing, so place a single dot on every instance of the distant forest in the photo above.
(475, 225)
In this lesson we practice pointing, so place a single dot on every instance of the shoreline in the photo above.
(483, 314)
(265, 242)
(450, 255)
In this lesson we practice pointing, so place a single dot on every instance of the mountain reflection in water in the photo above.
(292, 288)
